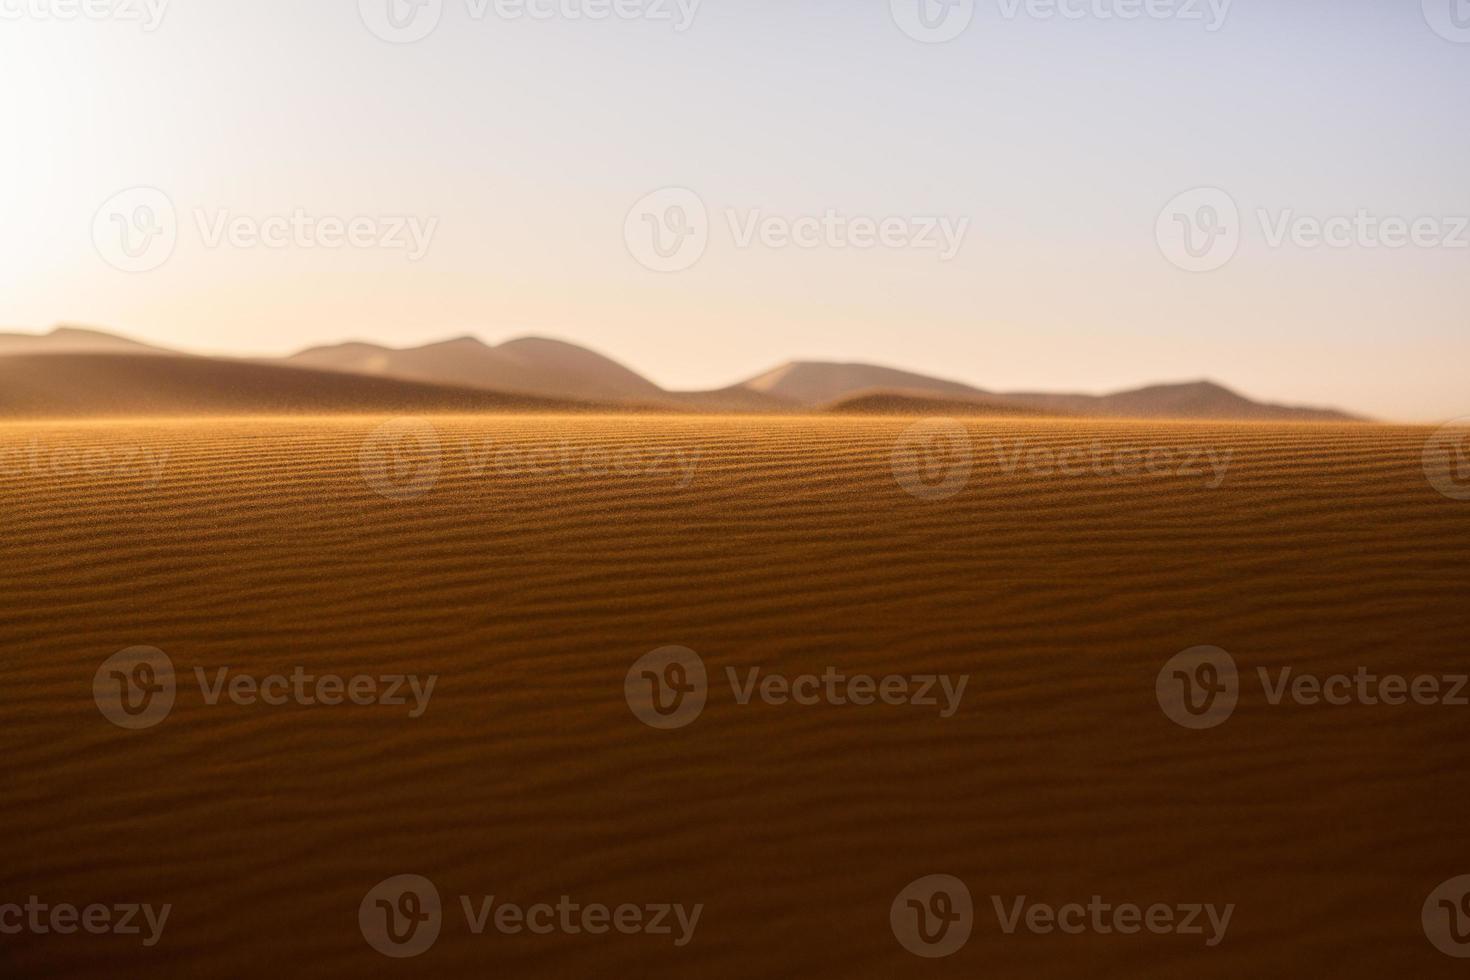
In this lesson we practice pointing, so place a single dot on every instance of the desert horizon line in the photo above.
(65, 328)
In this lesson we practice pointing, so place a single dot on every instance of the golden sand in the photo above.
(529, 561)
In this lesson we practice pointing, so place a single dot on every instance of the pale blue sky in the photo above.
(1059, 140)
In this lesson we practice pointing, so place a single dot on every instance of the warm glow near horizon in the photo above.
(328, 185)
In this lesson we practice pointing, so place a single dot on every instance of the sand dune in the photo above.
(531, 365)
(552, 369)
(736, 398)
(91, 385)
(821, 383)
(73, 340)
(1204, 400)
(909, 404)
(530, 571)
(814, 383)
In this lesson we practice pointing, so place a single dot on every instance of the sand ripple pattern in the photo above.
(530, 587)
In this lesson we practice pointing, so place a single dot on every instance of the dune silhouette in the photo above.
(464, 373)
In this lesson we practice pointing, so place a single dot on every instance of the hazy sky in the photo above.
(522, 144)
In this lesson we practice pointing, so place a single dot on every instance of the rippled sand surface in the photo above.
(529, 561)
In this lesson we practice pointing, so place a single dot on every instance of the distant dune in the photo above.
(904, 403)
(736, 398)
(73, 340)
(80, 385)
(1195, 400)
(813, 383)
(539, 368)
(533, 366)
(820, 383)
